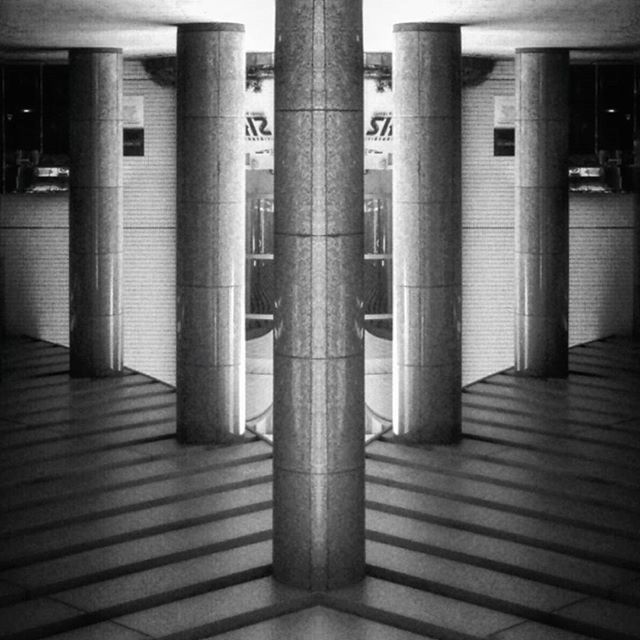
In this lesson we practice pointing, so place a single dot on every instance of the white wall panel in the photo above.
(600, 283)
(487, 302)
(487, 246)
(149, 234)
(36, 282)
(150, 180)
(149, 302)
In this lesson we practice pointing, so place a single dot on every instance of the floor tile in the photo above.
(211, 607)
(32, 614)
(102, 631)
(485, 550)
(319, 623)
(537, 631)
(425, 607)
(90, 565)
(203, 571)
(131, 498)
(609, 615)
(443, 574)
(96, 533)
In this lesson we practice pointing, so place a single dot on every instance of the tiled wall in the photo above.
(487, 240)
(33, 246)
(149, 234)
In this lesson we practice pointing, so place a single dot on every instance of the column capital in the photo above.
(85, 50)
(211, 26)
(542, 50)
(426, 26)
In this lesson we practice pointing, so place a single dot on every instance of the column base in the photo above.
(427, 403)
(95, 346)
(80, 369)
(318, 536)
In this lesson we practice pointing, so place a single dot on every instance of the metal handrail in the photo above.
(368, 439)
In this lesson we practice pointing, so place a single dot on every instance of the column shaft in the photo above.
(636, 245)
(542, 212)
(210, 232)
(318, 351)
(95, 212)
(426, 232)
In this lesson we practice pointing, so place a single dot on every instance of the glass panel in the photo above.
(22, 125)
(615, 110)
(260, 268)
(377, 226)
(582, 105)
(377, 265)
(55, 114)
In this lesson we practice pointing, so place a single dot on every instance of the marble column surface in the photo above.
(95, 212)
(636, 248)
(318, 347)
(210, 285)
(542, 212)
(427, 240)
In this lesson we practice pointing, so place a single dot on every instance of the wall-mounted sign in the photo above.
(259, 140)
(378, 126)
(378, 131)
(504, 142)
(133, 142)
(504, 112)
(259, 126)
(504, 122)
(133, 125)
(133, 112)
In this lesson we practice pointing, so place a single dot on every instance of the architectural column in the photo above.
(426, 233)
(542, 212)
(636, 240)
(210, 289)
(95, 212)
(318, 352)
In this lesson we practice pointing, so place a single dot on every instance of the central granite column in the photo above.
(427, 369)
(636, 243)
(210, 232)
(318, 352)
(542, 212)
(95, 212)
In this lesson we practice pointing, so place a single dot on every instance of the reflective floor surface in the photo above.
(528, 529)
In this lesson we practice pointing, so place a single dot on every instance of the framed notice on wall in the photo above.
(133, 125)
(504, 123)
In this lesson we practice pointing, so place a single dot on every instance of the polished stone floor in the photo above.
(528, 529)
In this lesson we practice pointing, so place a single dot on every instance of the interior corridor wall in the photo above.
(34, 232)
(488, 202)
(150, 232)
(34, 239)
(600, 256)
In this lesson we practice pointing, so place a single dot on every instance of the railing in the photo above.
(261, 287)
(376, 425)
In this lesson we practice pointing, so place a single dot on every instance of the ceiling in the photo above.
(595, 29)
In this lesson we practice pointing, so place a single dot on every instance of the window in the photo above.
(603, 107)
(35, 114)
(604, 126)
